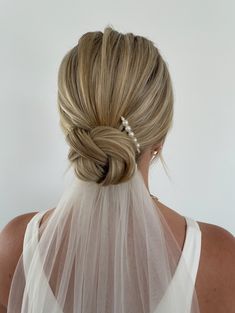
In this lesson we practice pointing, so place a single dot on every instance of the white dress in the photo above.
(191, 253)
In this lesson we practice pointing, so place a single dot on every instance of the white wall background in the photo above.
(196, 38)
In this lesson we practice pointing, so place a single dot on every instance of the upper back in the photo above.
(215, 280)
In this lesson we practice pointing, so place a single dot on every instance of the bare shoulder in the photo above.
(215, 282)
(218, 242)
(11, 246)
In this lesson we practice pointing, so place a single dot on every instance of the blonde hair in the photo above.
(105, 76)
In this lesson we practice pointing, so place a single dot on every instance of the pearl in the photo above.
(130, 132)
(125, 123)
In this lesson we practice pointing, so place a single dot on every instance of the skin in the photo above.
(215, 281)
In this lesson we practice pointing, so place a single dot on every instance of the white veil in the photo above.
(104, 249)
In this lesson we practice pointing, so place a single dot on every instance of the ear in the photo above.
(156, 148)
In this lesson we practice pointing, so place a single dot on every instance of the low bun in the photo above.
(104, 154)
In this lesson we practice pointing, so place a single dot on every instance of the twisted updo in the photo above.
(105, 76)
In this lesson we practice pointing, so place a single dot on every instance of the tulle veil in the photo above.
(104, 249)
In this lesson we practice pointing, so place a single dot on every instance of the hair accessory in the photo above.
(127, 129)
(130, 133)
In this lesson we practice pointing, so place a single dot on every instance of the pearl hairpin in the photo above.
(130, 132)
(127, 129)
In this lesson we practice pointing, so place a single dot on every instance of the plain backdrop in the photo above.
(196, 38)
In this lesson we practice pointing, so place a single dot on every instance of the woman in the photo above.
(109, 245)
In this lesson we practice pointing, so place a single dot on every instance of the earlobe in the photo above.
(157, 149)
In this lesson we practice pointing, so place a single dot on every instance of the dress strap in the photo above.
(31, 228)
(192, 246)
(33, 268)
(179, 287)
